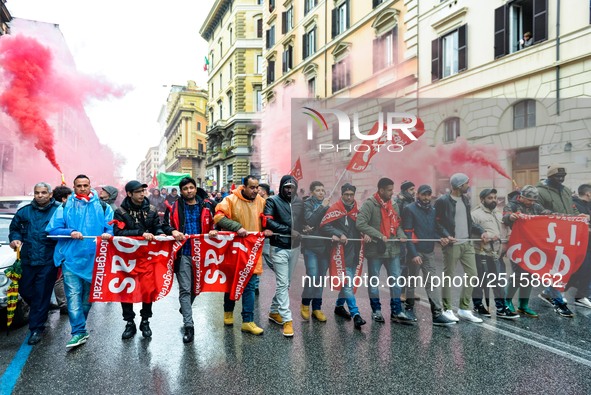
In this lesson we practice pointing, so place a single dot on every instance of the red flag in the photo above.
(297, 170)
(337, 265)
(360, 160)
(133, 270)
(154, 182)
(550, 247)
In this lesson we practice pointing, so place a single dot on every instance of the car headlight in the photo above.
(3, 279)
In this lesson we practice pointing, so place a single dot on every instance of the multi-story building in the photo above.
(151, 163)
(186, 125)
(234, 31)
(140, 171)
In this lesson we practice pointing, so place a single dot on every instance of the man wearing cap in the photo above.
(524, 202)
(339, 224)
(419, 223)
(379, 222)
(455, 226)
(554, 196)
(283, 215)
(488, 255)
(137, 217)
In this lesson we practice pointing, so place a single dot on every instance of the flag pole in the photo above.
(337, 183)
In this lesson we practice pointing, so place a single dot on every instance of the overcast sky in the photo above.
(145, 44)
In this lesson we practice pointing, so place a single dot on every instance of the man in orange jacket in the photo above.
(240, 212)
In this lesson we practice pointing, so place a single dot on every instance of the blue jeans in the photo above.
(393, 269)
(247, 300)
(316, 267)
(77, 294)
(346, 294)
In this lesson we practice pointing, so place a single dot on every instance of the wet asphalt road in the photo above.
(546, 355)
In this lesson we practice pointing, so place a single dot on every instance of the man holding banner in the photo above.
(241, 212)
(192, 214)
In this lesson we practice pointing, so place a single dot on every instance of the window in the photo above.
(309, 40)
(341, 75)
(271, 5)
(221, 50)
(524, 114)
(287, 59)
(212, 61)
(287, 20)
(200, 147)
(312, 87)
(211, 115)
(308, 5)
(221, 110)
(270, 37)
(230, 105)
(376, 3)
(385, 50)
(258, 100)
(516, 18)
(198, 126)
(340, 18)
(229, 171)
(270, 71)
(230, 72)
(259, 64)
(449, 54)
(220, 81)
(452, 129)
(260, 28)
(260, 2)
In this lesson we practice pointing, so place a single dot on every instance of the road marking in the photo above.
(13, 371)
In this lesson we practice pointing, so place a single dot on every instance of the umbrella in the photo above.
(14, 273)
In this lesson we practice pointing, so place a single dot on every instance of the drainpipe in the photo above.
(325, 49)
(557, 57)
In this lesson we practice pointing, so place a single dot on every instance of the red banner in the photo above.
(337, 267)
(553, 247)
(132, 270)
(296, 172)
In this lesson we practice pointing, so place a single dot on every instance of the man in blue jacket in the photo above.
(83, 214)
(27, 232)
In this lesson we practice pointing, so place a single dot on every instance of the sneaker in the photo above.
(341, 311)
(288, 329)
(64, 310)
(130, 330)
(442, 320)
(145, 328)
(276, 318)
(319, 315)
(251, 327)
(358, 321)
(400, 317)
(546, 299)
(468, 316)
(189, 334)
(449, 314)
(35, 338)
(562, 310)
(481, 310)
(77, 340)
(509, 305)
(527, 312)
(507, 314)
(583, 302)
(411, 315)
(228, 318)
(305, 312)
(377, 316)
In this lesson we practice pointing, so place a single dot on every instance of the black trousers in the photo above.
(129, 314)
(35, 287)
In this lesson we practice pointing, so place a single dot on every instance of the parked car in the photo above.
(7, 258)
(10, 204)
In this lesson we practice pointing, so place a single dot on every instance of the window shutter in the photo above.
(283, 22)
(347, 72)
(377, 64)
(284, 61)
(348, 8)
(267, 39)
(463, 48)
(334, 78)
(395, 44)
(540, 30)
(435, 63)
(260, 28)
(335, 22)
(289, 58)
(501, 36)
(305, 49)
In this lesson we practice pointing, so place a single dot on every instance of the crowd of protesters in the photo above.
(398, 232)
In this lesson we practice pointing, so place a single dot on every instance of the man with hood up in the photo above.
(83, 214)
(283, 216)
(108, 194)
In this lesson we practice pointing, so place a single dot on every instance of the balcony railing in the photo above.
(189, 153)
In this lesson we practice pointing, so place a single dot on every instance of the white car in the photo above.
(10, 204)
(7, 258)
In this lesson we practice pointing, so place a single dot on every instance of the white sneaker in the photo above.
(468, 316)
(450, 315)
(583, 302)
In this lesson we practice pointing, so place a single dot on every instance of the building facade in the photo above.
(233, 29)
(151, 164)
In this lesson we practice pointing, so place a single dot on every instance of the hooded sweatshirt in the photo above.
(113, 193)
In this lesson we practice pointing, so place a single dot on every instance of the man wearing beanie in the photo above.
(283, 216)
(554, 196)
(339, 224)
(379, 221)
(419, 223)
(454, 224)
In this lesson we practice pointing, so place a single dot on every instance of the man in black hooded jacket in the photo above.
(136, 217)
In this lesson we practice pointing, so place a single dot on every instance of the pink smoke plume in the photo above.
(37, 88)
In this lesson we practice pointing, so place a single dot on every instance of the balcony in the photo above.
(189, 153)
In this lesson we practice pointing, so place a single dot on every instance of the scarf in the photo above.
(390, 219)
(84, 197)
(422, 205)
(338, 210)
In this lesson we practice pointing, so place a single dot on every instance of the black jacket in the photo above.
(345, 226)
(515, 206)
(313, 213)
(419, 223)
(138, 220)
(445, 213)
(283, 216)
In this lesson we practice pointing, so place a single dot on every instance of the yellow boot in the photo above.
(276, 318)
(228, 318)
(305, 311)
(319, 315)
(251, 327)
(288, 329)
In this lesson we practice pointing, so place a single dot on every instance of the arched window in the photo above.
(524, 114)
(451, 129)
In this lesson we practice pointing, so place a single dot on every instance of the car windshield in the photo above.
(4, 224)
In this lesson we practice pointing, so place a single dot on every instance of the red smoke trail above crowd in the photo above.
(36, 88)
